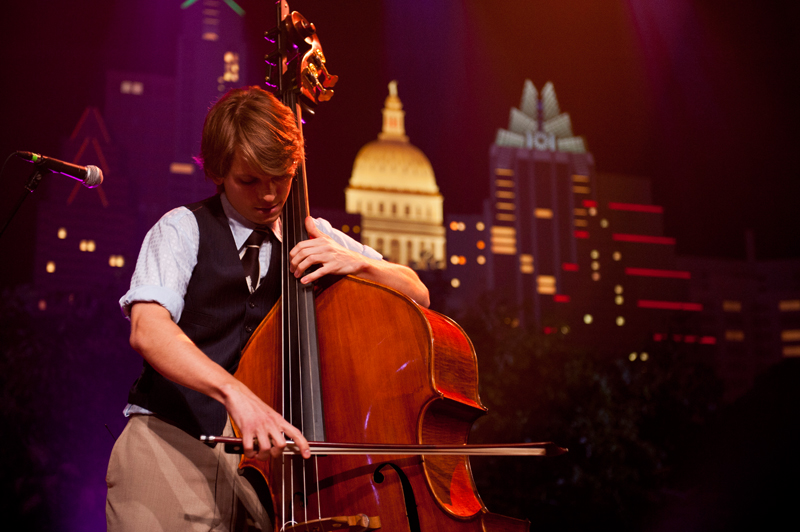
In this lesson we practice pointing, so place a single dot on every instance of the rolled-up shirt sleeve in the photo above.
(346, 241)
(165, 264)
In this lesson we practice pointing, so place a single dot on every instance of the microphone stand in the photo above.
(33, 182)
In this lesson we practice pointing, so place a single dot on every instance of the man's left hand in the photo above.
(321, 249)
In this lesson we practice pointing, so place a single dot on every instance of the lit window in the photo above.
(62, 233)
(595, 265)
(734, 336)
(356, 229)
(461, 225)
(580, 189)
(544, 214)
(580, 212)
(587, 319)
(526, 266)
(504, 194)
(564, 330)
(546, 284)
(181, 168)
(603, 223)
(50, 266)
(791, 351)
(732, 306)
(454, 259)
(644, 357)
(632, 357)
(595, 254)
(116, 261)
(592, 211)
(505, 206)
(789, 305)
(481, 244)
(581, 223)
(82, 245)
(620, 321)
(791, 335)
(619, 300)
(462, 260)
(616, 255)
(455, 283)
(618, 289)
(595, 276)
(480, 226)
(231, 74)
(42, 304)
(345, 228)
(454, 226)
(90, 246)
(481, 260)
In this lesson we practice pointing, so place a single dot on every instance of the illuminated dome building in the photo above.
(394, 190)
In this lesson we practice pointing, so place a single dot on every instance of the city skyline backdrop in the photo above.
(697, 95)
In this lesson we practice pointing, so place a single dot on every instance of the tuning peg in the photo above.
(272, 58)
(272, 35)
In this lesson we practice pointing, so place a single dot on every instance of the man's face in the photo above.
(256, 196)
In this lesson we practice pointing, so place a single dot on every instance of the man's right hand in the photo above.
(165, 347)
(258, 422)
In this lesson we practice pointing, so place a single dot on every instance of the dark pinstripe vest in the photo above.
(219, 316)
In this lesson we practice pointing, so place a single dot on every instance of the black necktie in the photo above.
(250, 258)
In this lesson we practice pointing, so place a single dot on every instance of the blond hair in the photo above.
(252, 122)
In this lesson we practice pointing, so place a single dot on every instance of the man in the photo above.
(192, 307)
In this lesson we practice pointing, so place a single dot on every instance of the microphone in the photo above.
(90, 175)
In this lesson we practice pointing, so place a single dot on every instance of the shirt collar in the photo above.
(241, 227)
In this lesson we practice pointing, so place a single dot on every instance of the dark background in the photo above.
(698, 95)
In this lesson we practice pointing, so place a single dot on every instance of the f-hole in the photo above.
(408, 494)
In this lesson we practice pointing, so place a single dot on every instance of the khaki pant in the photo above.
(160, 478)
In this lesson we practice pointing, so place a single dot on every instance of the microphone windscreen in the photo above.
(94, 176)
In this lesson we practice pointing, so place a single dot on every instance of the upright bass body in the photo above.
(395, 373)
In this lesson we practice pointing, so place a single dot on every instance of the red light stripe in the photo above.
(643, 239)
(650, 272)
(561, 298)
(589, 203)
(669, 305)
(569, 267)
(581, 234)
(709, 340)
(635, 207)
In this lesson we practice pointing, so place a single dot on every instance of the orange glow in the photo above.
(481, 244)
(732, 306)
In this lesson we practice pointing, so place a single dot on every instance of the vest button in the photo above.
(252, 305)
(248, 328)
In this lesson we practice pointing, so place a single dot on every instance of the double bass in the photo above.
(384, 390)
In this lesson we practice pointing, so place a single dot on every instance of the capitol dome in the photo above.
(392, 162)
(394, 190)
